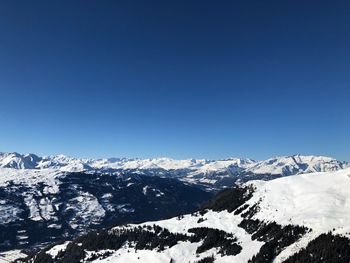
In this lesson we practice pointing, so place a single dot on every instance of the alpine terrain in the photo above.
(301, 218)
(45, 200)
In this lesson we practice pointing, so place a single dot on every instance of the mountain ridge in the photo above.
(32, 161)
(211, 174)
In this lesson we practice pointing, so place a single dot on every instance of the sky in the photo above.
(183, 79)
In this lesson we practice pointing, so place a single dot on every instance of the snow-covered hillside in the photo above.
(301, 218)
(211, 173)
(44, 205)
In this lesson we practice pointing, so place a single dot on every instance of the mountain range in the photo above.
(210, 173)
(45, 200)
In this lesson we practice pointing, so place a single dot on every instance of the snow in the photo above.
(55, 226)
(31, 177)
(185, 251)
(34, 212)
(125, 208)
(152, 163)
(147, 189)
(46, 209)
(107, 196)
(144, 190)
(56, 249)
(222, 165)
(11, 256)
(86, 209)
(297, 164)
(9, 212)
(296, 247)
(320, 201)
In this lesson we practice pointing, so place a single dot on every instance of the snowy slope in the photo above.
(320, 201)
(270, 220)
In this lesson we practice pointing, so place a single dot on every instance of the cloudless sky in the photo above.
(202, 79)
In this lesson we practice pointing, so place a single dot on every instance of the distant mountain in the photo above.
(301, 218)
(210, 173)
(296, 164)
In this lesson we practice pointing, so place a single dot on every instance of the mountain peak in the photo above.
(281, 165)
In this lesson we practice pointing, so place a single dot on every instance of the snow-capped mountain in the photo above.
(296, 164)
(300, 218)
(211, 173)
(32, 161)
(19, 161)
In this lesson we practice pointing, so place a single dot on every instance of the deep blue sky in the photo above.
(207, 79)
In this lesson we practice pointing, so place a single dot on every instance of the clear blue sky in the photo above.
(203, 79)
